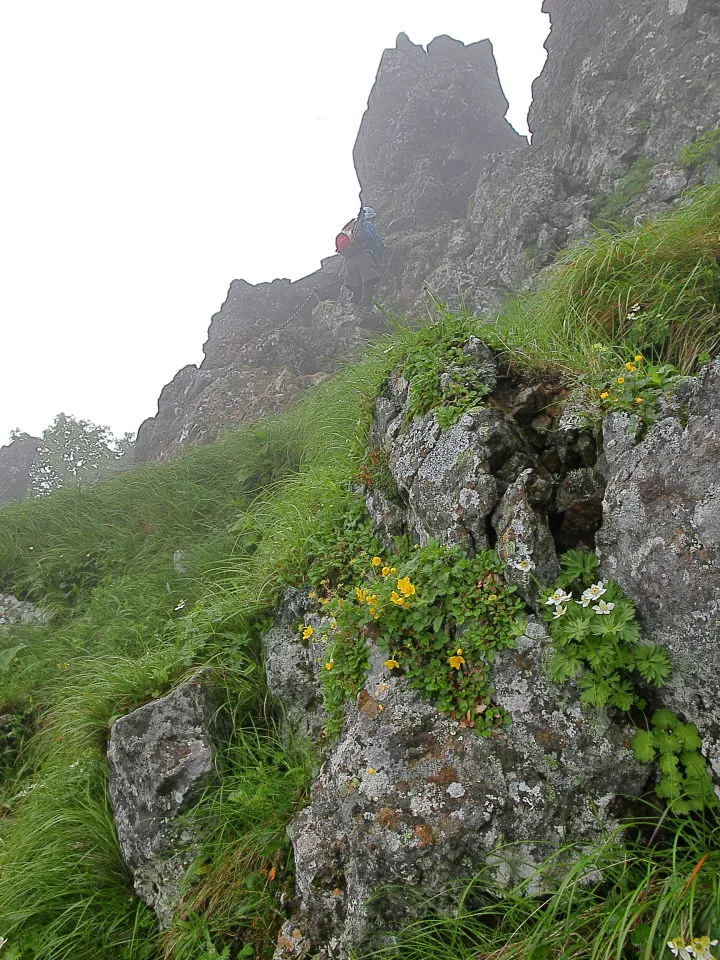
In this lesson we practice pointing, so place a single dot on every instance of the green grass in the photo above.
(654, 290)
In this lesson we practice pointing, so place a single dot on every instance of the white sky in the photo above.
(154, 150)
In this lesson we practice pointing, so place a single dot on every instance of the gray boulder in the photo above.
(411, 797)
(161, 758)
(660, 539)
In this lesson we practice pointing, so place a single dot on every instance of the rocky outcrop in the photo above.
(432, 119)
(15, 461)
(516, 474)
(469, 210)
(660, 539)
(410, 797)
(161, 758)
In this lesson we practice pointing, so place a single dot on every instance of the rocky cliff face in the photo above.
(470, 211)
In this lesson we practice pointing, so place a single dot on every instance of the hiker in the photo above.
(360, 244)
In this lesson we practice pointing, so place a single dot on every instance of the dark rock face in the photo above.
(469, 210)
(410, 797)
(660, 539)
(161, 757)
(432, 119)
(15, 460)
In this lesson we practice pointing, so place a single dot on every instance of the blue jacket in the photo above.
(370, 240)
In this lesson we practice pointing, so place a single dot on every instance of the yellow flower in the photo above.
(492, 598)
(386, 571)
(360, 594)
(392, 664)
(405, 587)
(604, 395)
(456, 662)
(307, 632)
(639, 400)
(376, 561)
(371, 770)
(459, 651)
(330, 664)
(639, 358)
(620, 380)
(333, 623)
(631, 367)
(393, 570)
(312, 595)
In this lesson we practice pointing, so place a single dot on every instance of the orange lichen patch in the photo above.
(549, 740)
(368, 705)
(424, 834)
(444, 776)
(388, 818)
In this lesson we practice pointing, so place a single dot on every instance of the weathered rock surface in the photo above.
(408, 796)
(17, 612)
(516, 474)
(161, 758)
(15, 460)
(660, 539)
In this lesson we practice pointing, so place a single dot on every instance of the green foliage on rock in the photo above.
(437, 614)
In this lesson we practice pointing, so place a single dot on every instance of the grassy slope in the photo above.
(245, 514)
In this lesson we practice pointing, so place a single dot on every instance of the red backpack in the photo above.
(345, 237)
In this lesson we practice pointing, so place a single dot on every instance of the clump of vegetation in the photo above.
(441, 372)
(629, 186)
(636, 386)
(702, 150)
(437, 614)
(653, 290)
(596, 638)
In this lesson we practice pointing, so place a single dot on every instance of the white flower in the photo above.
(700, 947)
(559, 612)
(596, 590)
(558, 598)
(680, 948)
(603, 607)
(522, 563)
(181, 605)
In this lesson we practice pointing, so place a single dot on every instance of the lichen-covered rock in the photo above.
(660, 539)
(523, 534)
(294, 664)
(18, 612)
(410, 796)
(161, 758)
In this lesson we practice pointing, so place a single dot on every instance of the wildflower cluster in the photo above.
(437, 614)
(634, 385)
(596, 638)
(696, 949)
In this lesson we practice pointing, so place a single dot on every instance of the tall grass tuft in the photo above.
(654, 289)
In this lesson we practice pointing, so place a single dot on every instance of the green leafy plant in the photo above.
(375, 474)
(634, 386)
(438, 614)
(683, 775)
(596, 638)
(629, 186)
